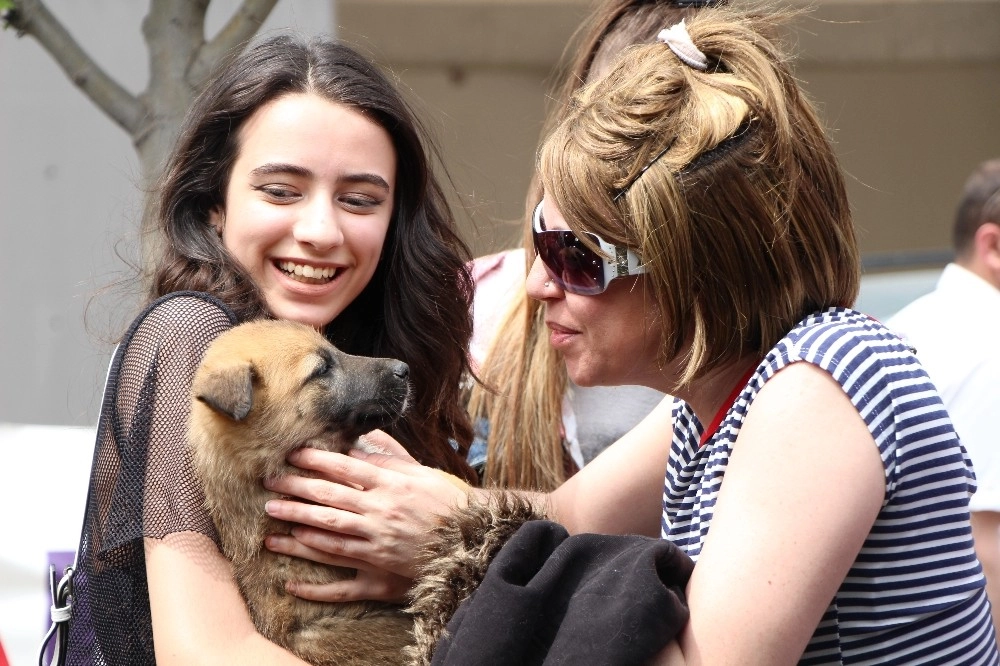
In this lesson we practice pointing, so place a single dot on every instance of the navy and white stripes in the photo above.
(916, 593)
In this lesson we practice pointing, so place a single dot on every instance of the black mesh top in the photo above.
(142, 482)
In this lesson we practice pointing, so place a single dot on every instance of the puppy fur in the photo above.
(264, 389)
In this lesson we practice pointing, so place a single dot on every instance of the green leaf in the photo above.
(6, 4)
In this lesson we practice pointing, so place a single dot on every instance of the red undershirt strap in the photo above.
(724, 409)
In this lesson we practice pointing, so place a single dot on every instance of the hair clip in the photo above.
(621, 192)
(724, 147)
(679, 41)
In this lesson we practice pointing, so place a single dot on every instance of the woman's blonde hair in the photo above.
(523, 378)
(723, 180)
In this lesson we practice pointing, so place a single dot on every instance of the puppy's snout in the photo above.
(400, 370)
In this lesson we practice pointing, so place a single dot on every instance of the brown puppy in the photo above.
(263, 389)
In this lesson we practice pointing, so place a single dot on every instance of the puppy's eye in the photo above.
(324, 367)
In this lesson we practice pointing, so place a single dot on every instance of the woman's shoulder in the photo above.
(841, 337)
(182, 311)
(179, 324)
(838, 321)
(877, 370)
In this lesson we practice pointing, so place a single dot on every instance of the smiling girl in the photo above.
(299, 189)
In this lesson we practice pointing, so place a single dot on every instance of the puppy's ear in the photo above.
(228, 390)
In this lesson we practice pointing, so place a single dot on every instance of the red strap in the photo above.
(724, 409)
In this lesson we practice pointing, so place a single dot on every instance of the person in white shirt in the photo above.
(954, 331)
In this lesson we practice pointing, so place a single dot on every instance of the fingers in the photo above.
(285, 544)
(360, 469)
(383, 517)
(345, 523)
(336, 466)
(377, 586)
(370, 581)
(403, 464)
(320, 491)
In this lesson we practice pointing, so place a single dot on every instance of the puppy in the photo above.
(262, 390)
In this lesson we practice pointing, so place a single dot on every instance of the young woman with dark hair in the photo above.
(299, 189)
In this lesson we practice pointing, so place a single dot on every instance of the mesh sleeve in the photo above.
(142, 480)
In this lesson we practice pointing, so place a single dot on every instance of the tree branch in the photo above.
(243, 25)
(32, 17)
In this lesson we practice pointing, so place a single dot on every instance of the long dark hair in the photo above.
(417, 305)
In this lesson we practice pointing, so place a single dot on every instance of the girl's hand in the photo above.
(369, 511)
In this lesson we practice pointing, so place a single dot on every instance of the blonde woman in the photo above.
(536, 426)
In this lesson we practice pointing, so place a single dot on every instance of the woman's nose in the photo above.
(539, 285)
(318, 226)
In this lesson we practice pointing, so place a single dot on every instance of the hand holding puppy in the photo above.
(370, 511)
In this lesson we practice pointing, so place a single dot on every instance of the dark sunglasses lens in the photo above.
(574, 266)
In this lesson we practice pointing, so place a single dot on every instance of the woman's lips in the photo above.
(560, 336)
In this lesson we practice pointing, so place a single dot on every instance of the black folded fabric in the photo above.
(551, 598)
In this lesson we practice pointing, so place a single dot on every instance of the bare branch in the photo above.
(243, 25)
(174, 31)
(32, 17)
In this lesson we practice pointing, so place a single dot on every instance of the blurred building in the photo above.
(910, 88)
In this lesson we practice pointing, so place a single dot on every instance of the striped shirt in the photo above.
(916, 592)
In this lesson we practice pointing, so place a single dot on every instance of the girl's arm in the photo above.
(198, 614)
(621, 490)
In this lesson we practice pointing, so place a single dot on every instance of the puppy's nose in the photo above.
(400, 369)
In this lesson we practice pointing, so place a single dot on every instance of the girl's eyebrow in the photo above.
(272, 168)
(371, 178)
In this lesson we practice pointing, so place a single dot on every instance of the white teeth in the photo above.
(304, 270)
